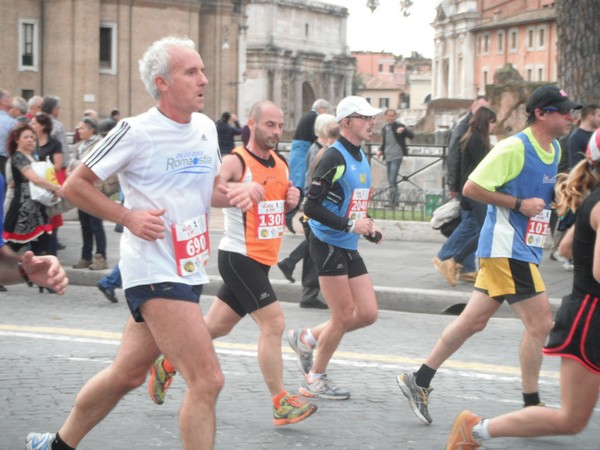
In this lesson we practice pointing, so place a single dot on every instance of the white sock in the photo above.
(480, 431)
(314, 376)
(310, 339)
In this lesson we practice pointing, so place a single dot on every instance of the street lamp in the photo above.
(404, 6)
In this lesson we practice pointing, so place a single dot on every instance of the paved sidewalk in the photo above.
(401, 268)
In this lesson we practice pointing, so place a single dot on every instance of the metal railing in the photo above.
(421, 182)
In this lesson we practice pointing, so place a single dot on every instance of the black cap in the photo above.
(551, 98)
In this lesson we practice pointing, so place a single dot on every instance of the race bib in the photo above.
(191, 245)
(270, 219)
(537, 228)
(359, 203)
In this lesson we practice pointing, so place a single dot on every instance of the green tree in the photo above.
(578, 37)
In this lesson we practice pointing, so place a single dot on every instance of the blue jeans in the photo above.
(467, 228)
(393, 167)
(91, 227)
(112, 281)
(297, 162)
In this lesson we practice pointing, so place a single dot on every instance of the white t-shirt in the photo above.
(161, 164)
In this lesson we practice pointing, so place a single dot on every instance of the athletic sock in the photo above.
(309, 338)
(532, 399)
(278, 398)
(424, 375)
(480, 431)
(59, 444)
(314, 376)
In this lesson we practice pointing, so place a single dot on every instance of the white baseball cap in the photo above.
(355, 105)
(593, 149)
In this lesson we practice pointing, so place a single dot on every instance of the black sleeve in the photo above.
(321, 187)
(453, 156)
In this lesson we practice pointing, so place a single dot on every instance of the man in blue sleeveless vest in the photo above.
(516, 179)
(337, 202)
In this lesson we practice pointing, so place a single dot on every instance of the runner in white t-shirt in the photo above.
(168, 162)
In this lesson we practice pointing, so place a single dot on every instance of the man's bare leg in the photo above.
(180, 332)
(352, 305)
(104, 390)
(536, 315)
(473, 319)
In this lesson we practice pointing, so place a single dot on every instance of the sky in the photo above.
(387, 29)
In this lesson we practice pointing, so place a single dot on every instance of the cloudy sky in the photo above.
(387, 29)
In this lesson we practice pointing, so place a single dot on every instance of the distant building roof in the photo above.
(539, 15)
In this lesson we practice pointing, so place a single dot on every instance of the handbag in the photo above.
(45, 170)
(110, 186)
(62, 206)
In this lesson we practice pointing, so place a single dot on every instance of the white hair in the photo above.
(321, 103)
(322, 124)
(155, 62)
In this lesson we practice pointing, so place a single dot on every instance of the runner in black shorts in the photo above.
(576, 333)
(249, 247)
(337, 204)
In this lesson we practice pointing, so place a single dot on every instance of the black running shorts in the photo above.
(331, 260)
(576, 332)
(246, 286)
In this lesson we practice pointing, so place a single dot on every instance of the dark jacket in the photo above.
(400, 137)
(226, 134)
(453, 156)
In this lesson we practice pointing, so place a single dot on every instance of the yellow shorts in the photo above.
(509, 279)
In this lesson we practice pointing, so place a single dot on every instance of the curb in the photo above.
(410, 300)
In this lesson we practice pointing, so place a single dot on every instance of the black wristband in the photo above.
(517, 207)
(22, 272)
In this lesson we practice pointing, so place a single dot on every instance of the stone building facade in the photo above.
(297, 58)
(473, 38)
(86, 52)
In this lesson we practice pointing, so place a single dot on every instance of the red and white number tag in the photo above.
(270, 219)
(191, 244)
(537, 229)
(359, 203)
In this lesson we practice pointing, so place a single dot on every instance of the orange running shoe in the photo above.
(292, 410)
(160, 381)
(461, 435)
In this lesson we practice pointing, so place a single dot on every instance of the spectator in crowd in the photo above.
(475, 144)
(303, 138)
(393, 149)
(42, 270)
(26, 220)
(92, 227)
(18, 110)
(49, 149)
(468, 226)
(51, 106)
(228, 128)
(108, 124)
(327, 131)
(6, 124)
(34, 105)
(580, 137)
(109, 283)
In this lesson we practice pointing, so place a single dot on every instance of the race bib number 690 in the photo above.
(191, 245)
